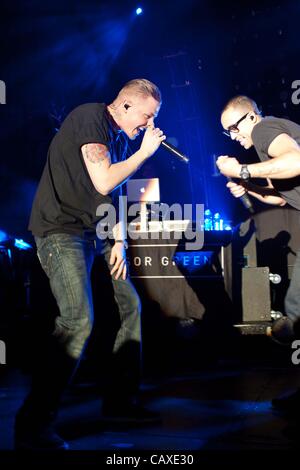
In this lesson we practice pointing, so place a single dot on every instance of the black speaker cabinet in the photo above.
(256, 295)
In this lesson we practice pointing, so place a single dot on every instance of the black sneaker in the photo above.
(129, 413)
(282, 331)
(45, 439)
(288, 405)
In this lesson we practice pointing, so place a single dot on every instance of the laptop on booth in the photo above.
(143, 190)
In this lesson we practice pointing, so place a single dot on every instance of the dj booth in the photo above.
(178, 279)
(243, 275)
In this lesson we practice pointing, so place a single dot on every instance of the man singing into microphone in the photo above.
(84, 169)
(276, 142)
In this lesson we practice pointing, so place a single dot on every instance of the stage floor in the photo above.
(223, 406)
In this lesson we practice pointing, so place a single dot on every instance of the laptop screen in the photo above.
(143, 190)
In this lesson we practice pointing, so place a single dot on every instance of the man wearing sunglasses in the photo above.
(277, 143)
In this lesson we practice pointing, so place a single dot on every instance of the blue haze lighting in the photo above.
(19, 243)
(139, 11)
(123, 445)
(3, 236)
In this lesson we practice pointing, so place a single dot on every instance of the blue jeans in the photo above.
(292, 298)
(67, 260)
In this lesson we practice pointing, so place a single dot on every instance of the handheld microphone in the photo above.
(175, 151)
(245, 200)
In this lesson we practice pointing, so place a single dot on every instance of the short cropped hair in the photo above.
(243, 102)
(143, 87)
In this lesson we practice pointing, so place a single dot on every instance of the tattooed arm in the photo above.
(97, 157)
(107, 176)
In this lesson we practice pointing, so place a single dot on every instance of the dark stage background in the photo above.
(56, 55)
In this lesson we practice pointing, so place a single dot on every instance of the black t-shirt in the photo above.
(66, 199)
(263, 135)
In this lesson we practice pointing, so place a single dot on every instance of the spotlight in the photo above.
(139, 11)
(19, 243)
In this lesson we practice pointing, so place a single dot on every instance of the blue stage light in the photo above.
(139, 11)
(3, 236)
(19, 243)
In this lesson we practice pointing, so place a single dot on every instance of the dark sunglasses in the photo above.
(234, 127)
